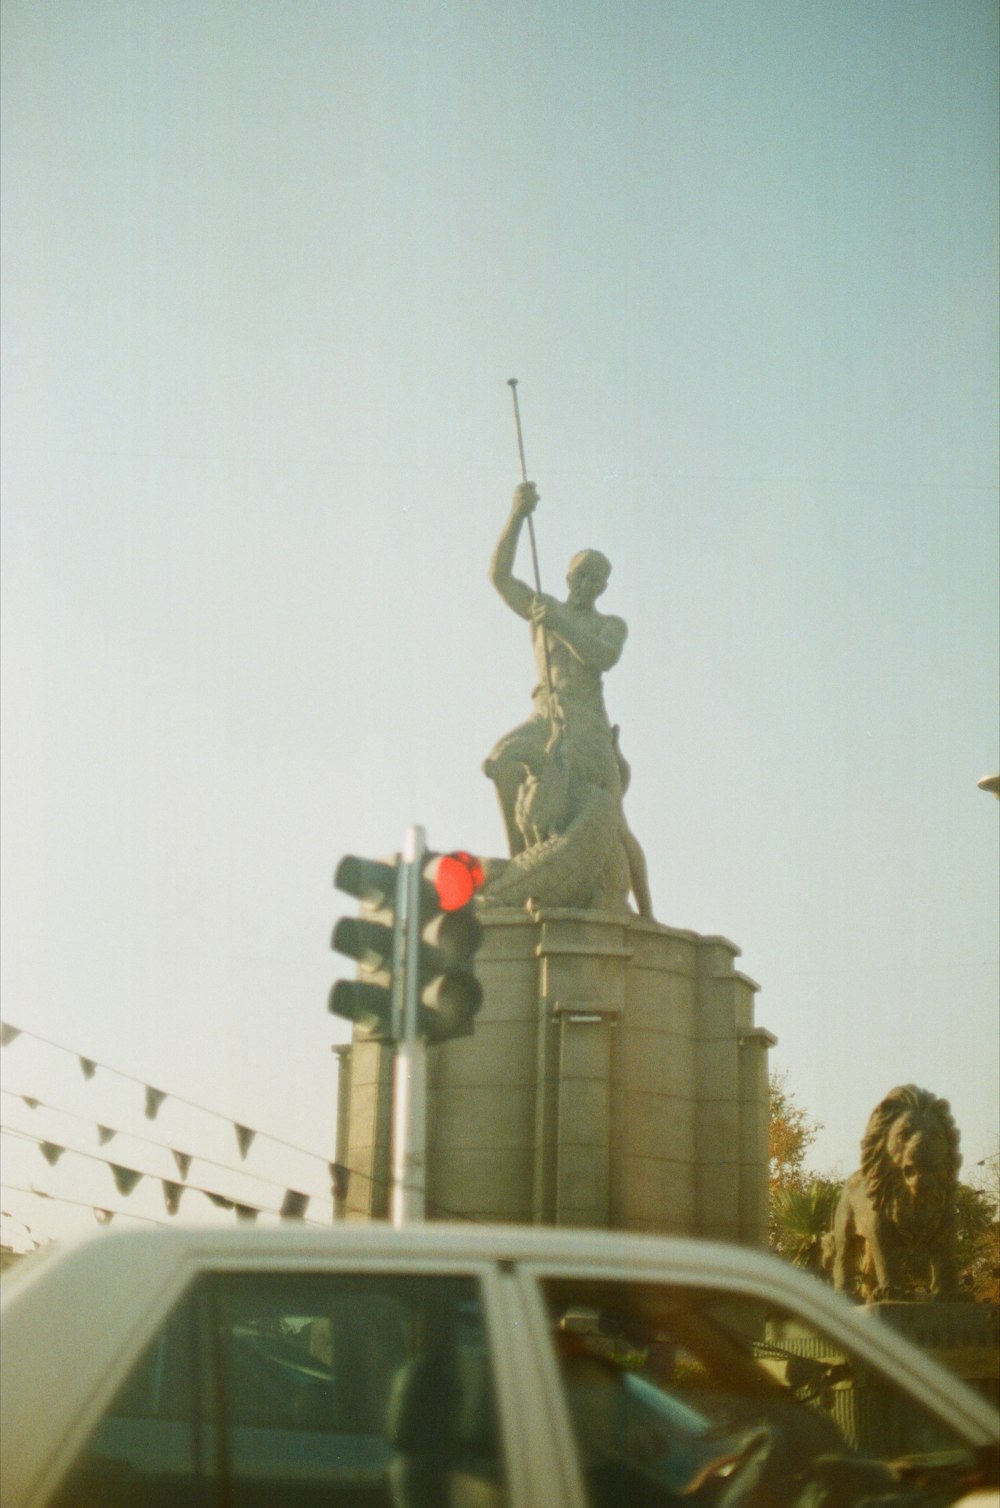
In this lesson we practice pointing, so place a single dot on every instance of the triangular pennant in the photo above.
(154, 1099)
(125, 1178)
(219, 1200)
(104, 1217)
(294, 1205)
(8, 1034)
(51, 1152)
(244, 1139)
(246, 1212)
(105, 1134)
(172, 1195)
(183, 1161)
(31, 1104)
(89, 1067)
(340, 1177)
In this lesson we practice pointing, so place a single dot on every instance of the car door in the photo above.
(678, 1388)
(389, 1385)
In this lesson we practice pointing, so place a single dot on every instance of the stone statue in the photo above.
(893, 1233)
(560, 776)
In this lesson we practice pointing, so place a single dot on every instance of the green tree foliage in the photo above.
(979, 1231)
(801, 1205)
(791, 1132)
(800, 1217)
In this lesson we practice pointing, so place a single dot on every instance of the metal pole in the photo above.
(512, 384)
(409, 1085)
(340, 1180)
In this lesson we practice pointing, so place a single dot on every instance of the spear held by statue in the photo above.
(512, 384)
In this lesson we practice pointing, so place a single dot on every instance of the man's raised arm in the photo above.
(516, 594)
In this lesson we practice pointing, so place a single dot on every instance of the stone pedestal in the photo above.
(364, 1127)
(964, 1337)
(615, 1078)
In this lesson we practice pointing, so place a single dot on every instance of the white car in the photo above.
(438, 1366)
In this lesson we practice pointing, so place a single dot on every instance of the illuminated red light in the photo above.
(456, 879)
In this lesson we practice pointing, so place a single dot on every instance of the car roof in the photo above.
(166, 1250)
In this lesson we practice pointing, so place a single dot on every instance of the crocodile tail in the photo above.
(567, 868)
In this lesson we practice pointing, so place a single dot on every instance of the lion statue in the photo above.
(893, 1233)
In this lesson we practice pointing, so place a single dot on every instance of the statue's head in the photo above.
(587, 577)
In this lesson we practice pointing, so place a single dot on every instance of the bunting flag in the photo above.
(154, 1099)
(172, 1195)
(294, 1205)
(125, 1178)
(104, 1217)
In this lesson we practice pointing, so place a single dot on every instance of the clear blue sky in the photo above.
(266, 271)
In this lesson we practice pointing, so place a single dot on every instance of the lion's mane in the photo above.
(911, 1110)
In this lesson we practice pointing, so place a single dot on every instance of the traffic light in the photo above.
(414, 945)
(375, 941)
(448, 934)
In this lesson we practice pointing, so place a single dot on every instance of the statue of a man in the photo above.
(574, 645)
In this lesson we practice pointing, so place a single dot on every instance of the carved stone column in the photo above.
(367, 1120)
(615, 1078)
(582, 995)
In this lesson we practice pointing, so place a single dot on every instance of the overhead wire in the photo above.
(83, 1204)
(243, 1172)
(183, 1185)
(9, 1032)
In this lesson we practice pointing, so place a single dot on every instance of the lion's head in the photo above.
(909, 1154)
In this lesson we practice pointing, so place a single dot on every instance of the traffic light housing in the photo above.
(448, 935)
(374, 940)
(414, 943)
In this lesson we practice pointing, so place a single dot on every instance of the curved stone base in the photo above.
(614, 1078)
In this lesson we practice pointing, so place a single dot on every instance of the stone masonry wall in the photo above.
(615, 1078)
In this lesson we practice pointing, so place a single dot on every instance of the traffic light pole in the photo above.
(409, 1085)
(415, 984)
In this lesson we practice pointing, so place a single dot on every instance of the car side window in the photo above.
(346, 1390)
(379, 1387)
(680, 1395)
(149, 1447)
